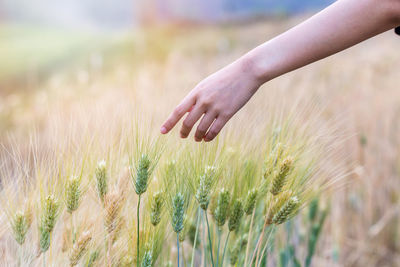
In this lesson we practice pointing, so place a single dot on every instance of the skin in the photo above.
(218, 97)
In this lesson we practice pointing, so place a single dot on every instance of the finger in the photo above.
(190, 120)
(204, 124)
(215, 128)
(177, 114)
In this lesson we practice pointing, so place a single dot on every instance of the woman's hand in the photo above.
(218, 98)
(341, 25)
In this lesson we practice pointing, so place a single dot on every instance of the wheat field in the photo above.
(339, 119)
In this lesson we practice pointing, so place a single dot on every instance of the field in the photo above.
(77, 104)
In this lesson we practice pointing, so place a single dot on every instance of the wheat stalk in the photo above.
(156, 207)
(101, 180)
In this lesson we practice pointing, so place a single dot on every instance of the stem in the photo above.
(265, 247)
(109, 250)
(209, 239)
(20, 255)
(44, 259)
(260, 239)
(177, 245)
(249, 238)
(195, 237)
(72, 228)
(203, 245)
(226, 243)
(105, 249)
(183, 256)
(260, 243)
(219, 242)
(137, 240)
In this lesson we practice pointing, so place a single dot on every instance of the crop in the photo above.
(222, 203)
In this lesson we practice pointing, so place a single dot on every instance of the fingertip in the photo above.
(183, 135)
(164, 130)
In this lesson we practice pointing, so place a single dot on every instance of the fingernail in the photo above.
(163, 130)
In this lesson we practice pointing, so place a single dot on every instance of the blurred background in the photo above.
(56, 56)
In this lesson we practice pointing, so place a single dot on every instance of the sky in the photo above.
(128, 13)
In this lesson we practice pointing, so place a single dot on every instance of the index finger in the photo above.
(178, 113)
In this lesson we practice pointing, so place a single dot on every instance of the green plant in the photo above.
(156, 208)
(178, 216)
(316, 218)
(141, 179)
(221, 214)
(101, 180)
(250, 200)
(20, 225)
(234, 222)
(50, 212)
(147, 259)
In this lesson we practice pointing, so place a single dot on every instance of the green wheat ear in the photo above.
(50, 213)
(281, 177)
(142, 174)
(178, 212)
(44, 239)
(239, 244)
(101, 180)
(48, 221)
(72, 194)
(20, 226)
(222, 210)
(156, 207)
(204, 189)
(236, 215)
(250, 201)
(286, 211)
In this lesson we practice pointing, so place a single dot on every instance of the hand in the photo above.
(218, 98)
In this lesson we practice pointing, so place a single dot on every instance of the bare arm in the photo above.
(341, 25)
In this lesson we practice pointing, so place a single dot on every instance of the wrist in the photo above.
(255, 68)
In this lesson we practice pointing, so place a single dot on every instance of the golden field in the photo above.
(96, 92)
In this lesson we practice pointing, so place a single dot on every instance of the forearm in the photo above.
(342, 25)
(218, 97)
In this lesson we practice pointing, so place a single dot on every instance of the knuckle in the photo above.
(205, 102)
(178, 111)
(217, 110)
(195, 93)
